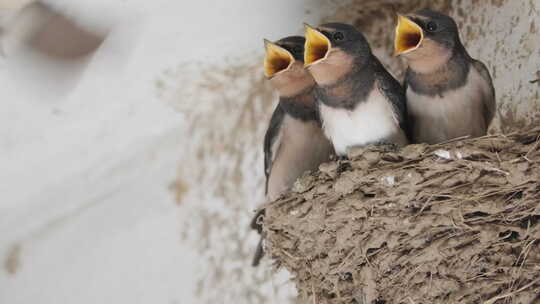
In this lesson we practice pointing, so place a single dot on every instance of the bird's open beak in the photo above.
(317, 46)
(409, 36)
(276, 60)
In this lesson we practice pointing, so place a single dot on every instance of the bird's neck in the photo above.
(293, 82)
(433, 56)
(302, 106)
(435, 76)
(352, 88)
(333, 68)
(294, 87)
(431, 62)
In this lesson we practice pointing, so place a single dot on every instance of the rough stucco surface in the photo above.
(230, 133)
(230, 127)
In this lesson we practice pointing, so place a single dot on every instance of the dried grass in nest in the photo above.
(452, 223)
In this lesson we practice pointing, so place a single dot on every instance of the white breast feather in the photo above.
(371, 121)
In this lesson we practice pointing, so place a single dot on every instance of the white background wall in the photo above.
(130, 176)
(90, 152)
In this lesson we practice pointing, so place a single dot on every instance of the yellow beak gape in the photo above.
(277, 59)
(317, 46)
(409, 36)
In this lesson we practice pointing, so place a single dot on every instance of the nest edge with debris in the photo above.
(457, 222)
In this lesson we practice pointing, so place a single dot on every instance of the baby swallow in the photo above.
(449, 94)
(294, 142)
(360, 103)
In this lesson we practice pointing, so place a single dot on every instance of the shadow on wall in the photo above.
(47, 48)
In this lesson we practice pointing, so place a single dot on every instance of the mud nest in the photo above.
(452, 223)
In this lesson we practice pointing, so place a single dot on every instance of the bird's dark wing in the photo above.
(490, 105)
(259, 253)
(409, 122)
(271, 146)
(271, 141)
(395, 94)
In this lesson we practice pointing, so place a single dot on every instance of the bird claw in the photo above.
(256, 222)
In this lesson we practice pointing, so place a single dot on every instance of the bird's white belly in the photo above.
(371, 121)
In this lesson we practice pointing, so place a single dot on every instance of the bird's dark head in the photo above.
(328, 38)
(333, 49)
(284, 65)
(424, 34)
(295, 45)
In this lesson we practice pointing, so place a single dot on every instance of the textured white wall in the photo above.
(94, 152)
(135, 182)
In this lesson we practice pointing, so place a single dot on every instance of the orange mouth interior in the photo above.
(317, 46)
(409, 36)
(277, 59)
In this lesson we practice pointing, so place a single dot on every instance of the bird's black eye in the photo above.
(431, 26)
(338, 36)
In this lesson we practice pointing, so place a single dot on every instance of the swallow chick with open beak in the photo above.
(360, 103)
(294, 142)
(449, 94)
